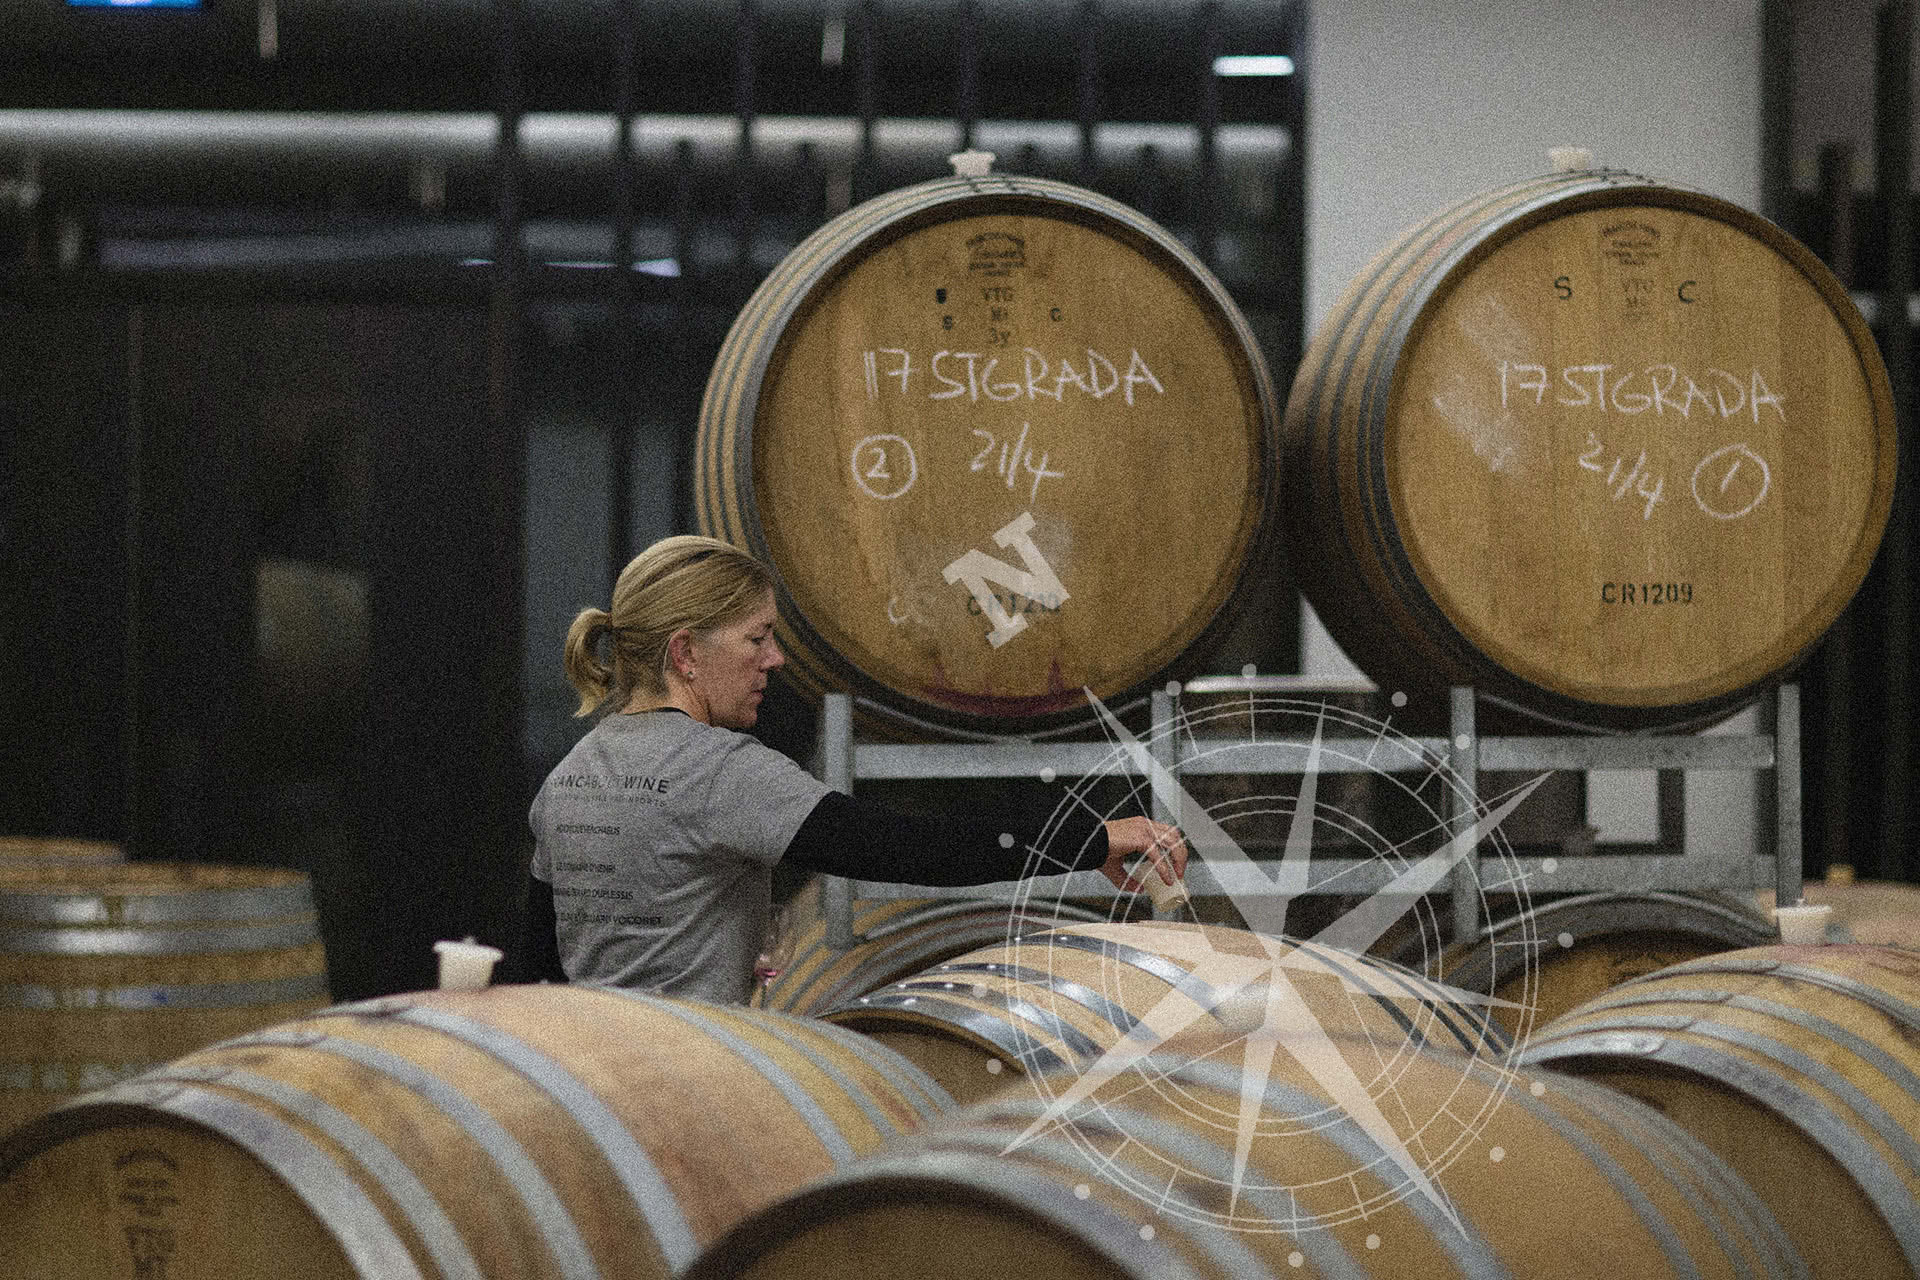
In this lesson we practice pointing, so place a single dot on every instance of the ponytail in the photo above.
(591, 678)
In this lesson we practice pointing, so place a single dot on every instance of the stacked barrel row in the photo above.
(1610, 450)
(1147, 1100)
(565, 1130)
(520, 1131)
(1752, 1111)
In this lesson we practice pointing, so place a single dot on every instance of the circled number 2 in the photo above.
(884, 466)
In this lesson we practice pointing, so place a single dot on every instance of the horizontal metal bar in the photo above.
(986, 760)
(1233, 755)
(1208, 756)
(1236, 755)
(1370, 875)
(1717, 752)
(1225, 755)
(1691, 871)
(1291, 685)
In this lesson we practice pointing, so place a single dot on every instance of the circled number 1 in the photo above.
(1727, 500)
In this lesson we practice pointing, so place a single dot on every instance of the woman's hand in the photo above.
(1160, 841)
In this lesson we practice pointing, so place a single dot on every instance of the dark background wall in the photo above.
(344, 367)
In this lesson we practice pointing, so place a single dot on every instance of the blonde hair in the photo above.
(686, 581)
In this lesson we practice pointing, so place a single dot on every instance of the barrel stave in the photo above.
(1070, 995)
(1151, 1181)
(894, 938)
(112, 969)
(1581, 945)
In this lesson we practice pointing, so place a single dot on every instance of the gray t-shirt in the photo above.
(658, 835)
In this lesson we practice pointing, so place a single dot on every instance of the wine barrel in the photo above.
(1001, 439)
(1068, 996)
(548, 1130)
(108, 970)
(1527, 1175)
(58, 850)
(1613, 452)
(1797, 1065)
(894, 939)
(1563, 952)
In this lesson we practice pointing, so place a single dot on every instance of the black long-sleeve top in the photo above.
(846, 836)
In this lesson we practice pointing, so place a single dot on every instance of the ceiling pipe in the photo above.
(354, 19)
(120, 154)
(568, 139)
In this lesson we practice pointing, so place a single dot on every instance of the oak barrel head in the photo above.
(1612, 451)
(1002, 440)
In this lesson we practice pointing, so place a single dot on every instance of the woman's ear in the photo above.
(680, 653)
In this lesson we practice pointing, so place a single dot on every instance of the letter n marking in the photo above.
(1036, 581)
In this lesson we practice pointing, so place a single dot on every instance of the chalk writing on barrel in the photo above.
(1036, 582)
(1663, 388)
(1013, 458)
(1636, 479)
(1731, 481)
(975, 375)
(884, 466)
(1727, 483)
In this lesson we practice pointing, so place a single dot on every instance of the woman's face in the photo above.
(731, 664)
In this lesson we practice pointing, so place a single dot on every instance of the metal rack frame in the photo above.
(1773, 753)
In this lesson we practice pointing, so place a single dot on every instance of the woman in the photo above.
(656, 836)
